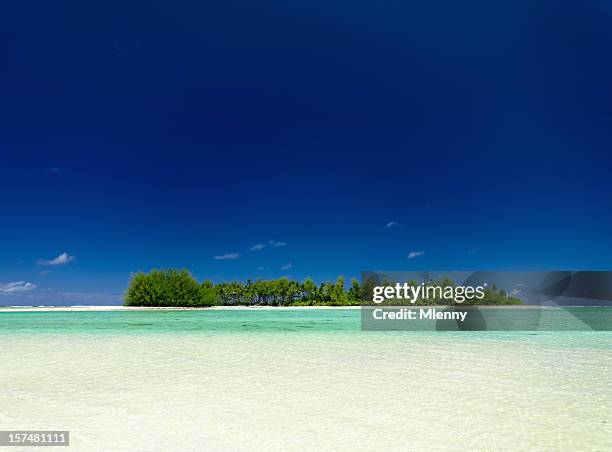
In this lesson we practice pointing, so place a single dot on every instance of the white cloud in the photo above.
(227, 256)
(414, 254)
(277, 244)
(391, 224)
(44, 272)
(18, 286)
(50, 297)
(261, 268)
(62, 259)
(287, 267)
(258, 247)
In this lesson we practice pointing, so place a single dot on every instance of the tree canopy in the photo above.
(180, 288)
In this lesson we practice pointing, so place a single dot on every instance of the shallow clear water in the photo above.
(299, 380)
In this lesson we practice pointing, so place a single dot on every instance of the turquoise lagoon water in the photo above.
(274, 321)
(299, 379)
(180, 322)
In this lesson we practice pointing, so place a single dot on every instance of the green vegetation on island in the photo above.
(178, 288)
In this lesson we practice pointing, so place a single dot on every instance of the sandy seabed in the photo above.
(318, 391)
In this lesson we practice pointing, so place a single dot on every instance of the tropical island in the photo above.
(178, 288)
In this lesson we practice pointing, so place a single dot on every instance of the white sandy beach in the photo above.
(148, 308)
(222, 308)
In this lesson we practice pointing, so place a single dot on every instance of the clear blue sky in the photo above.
(163, 134)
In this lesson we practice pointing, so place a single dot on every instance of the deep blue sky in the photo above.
(157, 134)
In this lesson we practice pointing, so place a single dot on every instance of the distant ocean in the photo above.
(301, 379)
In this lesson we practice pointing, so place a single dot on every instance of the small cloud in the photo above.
(44, 272)
(261, 268)
(287, 267)
(414, 254)
(18, 286)
(258, 247)
(277, 244)
(228, 256)
(391, 224)
(472, 251)
(516, 291)
(50, 297)
(54, 169)
(62, 259)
